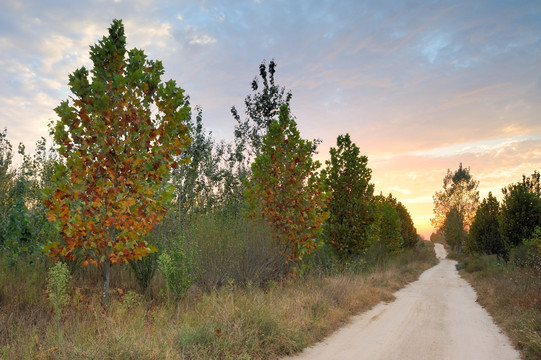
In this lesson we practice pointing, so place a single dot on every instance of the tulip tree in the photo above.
(285, 189)
(118, 136)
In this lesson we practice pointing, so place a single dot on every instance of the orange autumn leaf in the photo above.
(116, 149)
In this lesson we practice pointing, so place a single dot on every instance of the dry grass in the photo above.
(234, 322)
(513, 297)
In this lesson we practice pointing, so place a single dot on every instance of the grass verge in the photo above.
(512, 295)
(234, 322)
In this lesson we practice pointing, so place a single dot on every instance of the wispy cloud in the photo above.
(420, 86)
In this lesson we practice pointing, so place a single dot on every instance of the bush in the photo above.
(375, 255)
(322, 262)
(519, 256)
(533, 249)
(144, 271)
(177, 267)
(478, 263)
(57, 286)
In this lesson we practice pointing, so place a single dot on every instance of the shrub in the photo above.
(519, 256)
(322, 262)
(478, 263)
(144, 270)
(533, 249)
(177, 268)
(375, 255)
(57, 286)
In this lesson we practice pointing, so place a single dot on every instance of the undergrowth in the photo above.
(512, 295)
(234, 321)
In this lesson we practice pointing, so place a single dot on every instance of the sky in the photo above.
(420, 86)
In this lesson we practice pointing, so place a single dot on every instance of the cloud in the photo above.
(420, 87)
(202, 40)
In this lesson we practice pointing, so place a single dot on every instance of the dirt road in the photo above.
(435, 317)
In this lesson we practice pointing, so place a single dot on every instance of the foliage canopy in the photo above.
(117, 136)
(521, 210)
(485, 236)
(459, 193)
(351, 208)
(286, 190)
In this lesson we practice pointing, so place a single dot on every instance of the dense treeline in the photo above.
(134, 178)
(510, 229)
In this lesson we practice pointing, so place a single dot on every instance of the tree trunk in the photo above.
(106, 274)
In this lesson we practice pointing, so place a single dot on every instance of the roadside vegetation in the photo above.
(138, 235)
(498, 249)
(511, 293)
(234, 321)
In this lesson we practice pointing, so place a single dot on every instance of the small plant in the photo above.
(57, 288)
(131, 300)
(177, 268)
(144, 270)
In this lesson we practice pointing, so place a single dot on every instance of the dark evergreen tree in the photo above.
(485, 236)
(453, 230)
(351, 207)
(408, 231)
(521, 211)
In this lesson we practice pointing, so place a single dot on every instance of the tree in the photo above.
(485, 236)
(261, 108)
(459, 193)
(531, 183)
(407, 228)
(389, 225)
(520, 211)
(23, 224)
(285, 189)
(453, 230)
(198, 180)
(117, 136)
(7, 176)
(351, 208)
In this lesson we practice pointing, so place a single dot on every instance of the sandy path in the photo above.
(435, 317)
